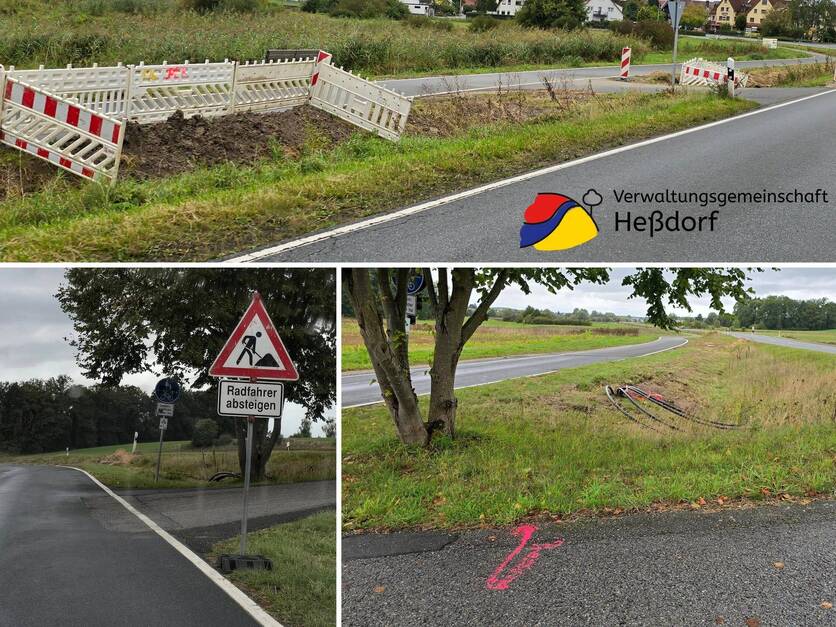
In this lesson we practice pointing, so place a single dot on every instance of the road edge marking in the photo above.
(542, 374)
(347, 229)
(247, 604)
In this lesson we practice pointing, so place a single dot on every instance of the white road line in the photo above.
(247, 604)
(537, 374)
(420, 208)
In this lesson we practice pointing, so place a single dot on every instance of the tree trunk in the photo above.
(262, 446)
(388, 352)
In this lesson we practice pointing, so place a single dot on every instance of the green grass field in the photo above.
(83, 32)
(824, 337)
(554, 446)
(231, 208)
(301, 590)
(309, 459)
(497, 338)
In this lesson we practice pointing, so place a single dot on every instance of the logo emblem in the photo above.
(557, 222)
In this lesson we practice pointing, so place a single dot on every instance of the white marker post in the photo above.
(133, 449)
(730, 75)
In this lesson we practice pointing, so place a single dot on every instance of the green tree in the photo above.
(205, 432)
(694, 16)
(631, 10)
(175, 320)
(565, 14)
(651, 13)
(486, 6)
(381, 316)
(740, 21)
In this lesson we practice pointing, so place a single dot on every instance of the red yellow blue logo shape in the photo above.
(556, 222)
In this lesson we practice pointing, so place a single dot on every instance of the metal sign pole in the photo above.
(247, 469)
(159, 456)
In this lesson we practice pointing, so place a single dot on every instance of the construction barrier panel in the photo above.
(157, 91)
(102, 89)
(701, 72)
(278, 84)
(769, 42)
(359, 101)
(64, 133)
(625, 63)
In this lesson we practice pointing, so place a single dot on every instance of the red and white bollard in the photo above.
(625, 63)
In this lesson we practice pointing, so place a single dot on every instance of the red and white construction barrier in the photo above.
(66, 134)
(625, 63)
(74, 117)
(701, 72)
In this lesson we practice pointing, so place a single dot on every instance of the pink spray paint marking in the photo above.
(497, 582)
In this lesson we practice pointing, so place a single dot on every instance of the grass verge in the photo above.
(553, 445)
(801, 75)
(185, 467)
(302, 589)
(500, 340)
(229, 209)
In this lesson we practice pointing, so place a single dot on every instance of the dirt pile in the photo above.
(180, 144)
(120, 457)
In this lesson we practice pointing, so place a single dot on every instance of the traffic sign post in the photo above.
(254, 352)
(676, 7)
(167, 392)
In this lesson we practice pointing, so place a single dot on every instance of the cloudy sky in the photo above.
(33, 330)
(799, 283)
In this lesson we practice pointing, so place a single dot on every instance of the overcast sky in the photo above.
(33, 328)
(799, 283)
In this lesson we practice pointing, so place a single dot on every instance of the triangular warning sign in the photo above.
(254, 349)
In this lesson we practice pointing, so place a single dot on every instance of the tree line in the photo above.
(782, 312)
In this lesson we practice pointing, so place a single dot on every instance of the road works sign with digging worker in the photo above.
(254, 352)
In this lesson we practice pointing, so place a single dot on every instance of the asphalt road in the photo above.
(785, 341)
(68, 558)
(533, 79)
(359, 388)
(778, 150)
(672, 569)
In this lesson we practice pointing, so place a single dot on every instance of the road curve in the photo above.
(360, 388)
(787, 342)
(69, 559)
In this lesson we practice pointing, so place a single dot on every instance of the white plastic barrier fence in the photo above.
(769, 43)
(701, 72)
(66, 134)
(359, 101)
(203, 89)
(102, 89)
(268, 85)
(101, 99)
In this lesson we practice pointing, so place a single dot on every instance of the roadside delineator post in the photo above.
(730, 75)
(625, 63)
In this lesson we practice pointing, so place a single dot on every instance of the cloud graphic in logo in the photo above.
(556, 222)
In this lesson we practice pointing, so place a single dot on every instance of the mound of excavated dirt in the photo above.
(180, 144)
(120, 457)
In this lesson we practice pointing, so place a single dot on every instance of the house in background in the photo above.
(508, 8)
(603, 10)
(727, 11)
(759, 10)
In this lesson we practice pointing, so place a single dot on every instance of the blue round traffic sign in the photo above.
(167, 390)
(415, 285)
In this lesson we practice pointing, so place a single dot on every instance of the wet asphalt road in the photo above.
(69, 558)
(671, 569)
(360, 388)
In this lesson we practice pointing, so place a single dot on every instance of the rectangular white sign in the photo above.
(411, 304)
(165, 409)
(163, 424)
(243, 398)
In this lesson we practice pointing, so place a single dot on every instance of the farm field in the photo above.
(499, 339)
(554, 447)
(186, 199)
(183, 466)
